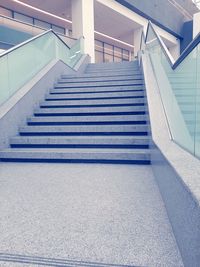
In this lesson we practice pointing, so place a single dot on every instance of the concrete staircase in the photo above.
(97, 117)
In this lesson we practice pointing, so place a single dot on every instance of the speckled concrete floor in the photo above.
(92, 213)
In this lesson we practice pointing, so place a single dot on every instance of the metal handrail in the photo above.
(183, 55)
(187, 51)
(162, 44)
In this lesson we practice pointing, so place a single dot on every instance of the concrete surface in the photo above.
(111, 214)
(177, 172)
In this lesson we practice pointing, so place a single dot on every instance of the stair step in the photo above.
(77, 120)
(113, 67)
(104, 93)
(94, 102)
(123, 72)
(90, 111)
(64, 105)
(128, 156)
(111, 72)
(114, 64)
(99, 84)
(100, 79)
(80, 142)
(64, 94)
(97, 90)
(105, 75)
(60, 97)
(85, 130)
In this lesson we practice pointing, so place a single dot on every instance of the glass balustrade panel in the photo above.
(178, 91)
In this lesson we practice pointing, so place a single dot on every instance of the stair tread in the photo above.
(84, 95)
(99, 79)
(88, 117)
(85, 76)
(103, 89)
(88, 151)
(89, 109)
(86, 128)
(64, 138)
(99, 84)
(94, 102)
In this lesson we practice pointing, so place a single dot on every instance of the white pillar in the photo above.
(196, 24)
(83, 24)
(137, 39)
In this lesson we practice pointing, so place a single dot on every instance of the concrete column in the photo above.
(83, 24)
(137, 38)
(196, 24)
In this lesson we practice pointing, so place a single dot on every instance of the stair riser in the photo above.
(90, 106)
(63, 98)
(89, 113)
(107, 93)
(125, 74)
(79, 146)
(91, 110)
(100, 80)
(84, 133)
(88, 123)
(103, 89)
(112, 66)
(115, 73)
(111, 70)
(98, 84)
(84, 161)
(95, 102)
(105, 141)
(76, 156)
(92, 119)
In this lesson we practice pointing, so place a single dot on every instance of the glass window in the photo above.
(99, 46)
(108, 49)
(125, 54)
(110, 53)
(58, 29)
(108, 58)
(23, 18)
(5, 12)
(98, 57)
(117, 59)
(42, 24)
(117, 52)
(132, 56)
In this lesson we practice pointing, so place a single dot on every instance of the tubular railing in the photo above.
(179, 86)
(22, 62)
